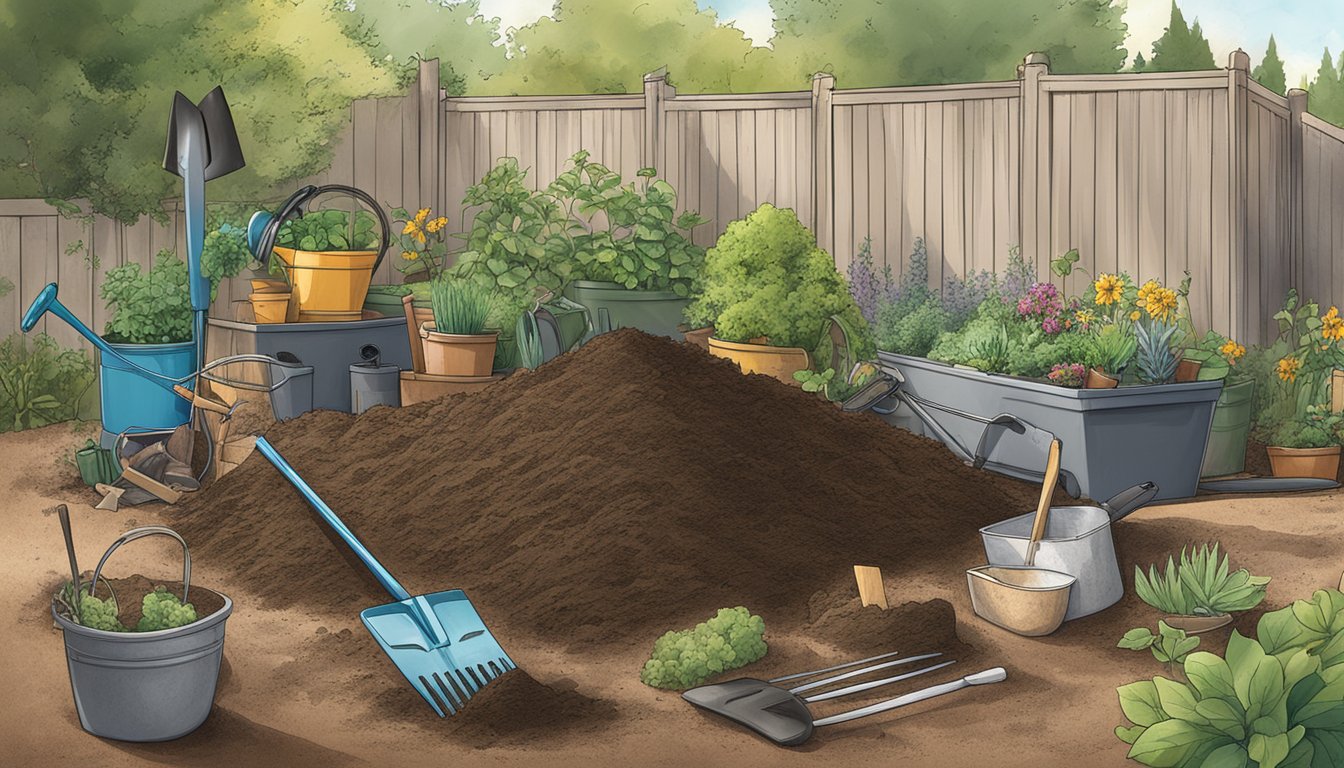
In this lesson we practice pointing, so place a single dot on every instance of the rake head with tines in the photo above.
(438, 641)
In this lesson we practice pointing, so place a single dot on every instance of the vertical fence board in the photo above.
(13, 303)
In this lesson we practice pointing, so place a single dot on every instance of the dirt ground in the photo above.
(1057, 708)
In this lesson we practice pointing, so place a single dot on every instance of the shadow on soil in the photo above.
(229, 739)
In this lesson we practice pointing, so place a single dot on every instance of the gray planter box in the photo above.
(1113, 438)
(329, 348)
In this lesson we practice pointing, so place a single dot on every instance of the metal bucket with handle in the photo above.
(1077, 542)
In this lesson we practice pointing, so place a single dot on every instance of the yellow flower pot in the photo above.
(269, 307)
(328, 285)
(779, 362)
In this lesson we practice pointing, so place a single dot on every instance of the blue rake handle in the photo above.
(384, 577)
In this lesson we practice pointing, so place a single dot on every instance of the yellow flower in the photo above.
(1134, 315)
(435, 225)
(1110, 289)
(1232, 351)
(410, 228)
(1287, 368)
(1332, 325)
(1084, 316)
(421, 215)
(1160, 302)
(410, 255)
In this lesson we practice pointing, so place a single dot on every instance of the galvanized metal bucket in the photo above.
(145, 686)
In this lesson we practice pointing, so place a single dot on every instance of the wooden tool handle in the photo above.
(1043, 506)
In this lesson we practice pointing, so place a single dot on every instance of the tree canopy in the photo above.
(402, 32)
(88, 88)
(1180, 48)
(1269, 72)
(1326, 93)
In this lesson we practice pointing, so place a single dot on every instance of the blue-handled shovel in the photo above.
(438, 641)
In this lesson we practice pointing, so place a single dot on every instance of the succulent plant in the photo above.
(1155, 357)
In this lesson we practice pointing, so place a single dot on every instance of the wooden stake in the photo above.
(1336, 391)
(871, 591)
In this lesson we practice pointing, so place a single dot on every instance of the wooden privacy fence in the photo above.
(1151, 174)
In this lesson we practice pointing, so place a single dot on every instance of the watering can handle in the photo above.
(382, 574)
(140, 533)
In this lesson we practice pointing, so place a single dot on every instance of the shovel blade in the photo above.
(441, 645)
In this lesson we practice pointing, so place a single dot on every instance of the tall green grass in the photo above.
(459, 306)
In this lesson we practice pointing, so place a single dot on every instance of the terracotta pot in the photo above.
(1187, 370)
(779, 362)
(457, 354)
(700, 337)
(1098, 380)
(1304, 462)
(269, 307)
(1197, 625)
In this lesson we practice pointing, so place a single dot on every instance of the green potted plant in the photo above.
(1218, 356)
(1296, 422)
(635, 264)
(769, 292)
(151, 327)
(520, 247)
(328, 256)
(457, 343)
(1199, 592)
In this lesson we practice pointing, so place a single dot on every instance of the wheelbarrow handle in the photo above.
(1119, 506)
(365, 556)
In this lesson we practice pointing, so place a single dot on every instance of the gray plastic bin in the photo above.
(374, 384)
(1113, 438)
(327, 347)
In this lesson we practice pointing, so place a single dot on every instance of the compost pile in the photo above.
(629, 487)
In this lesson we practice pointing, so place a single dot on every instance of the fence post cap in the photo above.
(656, 75)
(1037, 57)
(1239, 59)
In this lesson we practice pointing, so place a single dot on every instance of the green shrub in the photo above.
(40, 383)
(225, 253)
(910, 330)
(638, 240)
(520, 244)
(1200, 585)
(733, 638)
(152, 307)
(767, 277)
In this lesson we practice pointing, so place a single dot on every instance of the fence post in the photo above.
(429, 113)
(1238, 72)
(1034, 194)
(1297, 106)
(823, 172)
(656, 92)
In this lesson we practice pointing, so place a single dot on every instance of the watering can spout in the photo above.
(39, 307)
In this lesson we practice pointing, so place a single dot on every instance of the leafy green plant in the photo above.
(1155, 357)
(528, 341)
(684, 659)
(330, 230)
(910, 329)
(633, 235)
(1116, 346)
(1169, 646)
(992, 353)
(459, 306)
(1250, 709)
(40, 383)
(814, 381)
(1315, 625)
(225, 253)
(1200, 585)
(521, 242)
(151, 307)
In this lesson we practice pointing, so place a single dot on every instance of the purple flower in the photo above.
(1043, 303)
(1068, 375)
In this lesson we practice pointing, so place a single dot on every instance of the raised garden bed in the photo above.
(1113, 438)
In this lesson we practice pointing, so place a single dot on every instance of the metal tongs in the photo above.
(782, 715)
